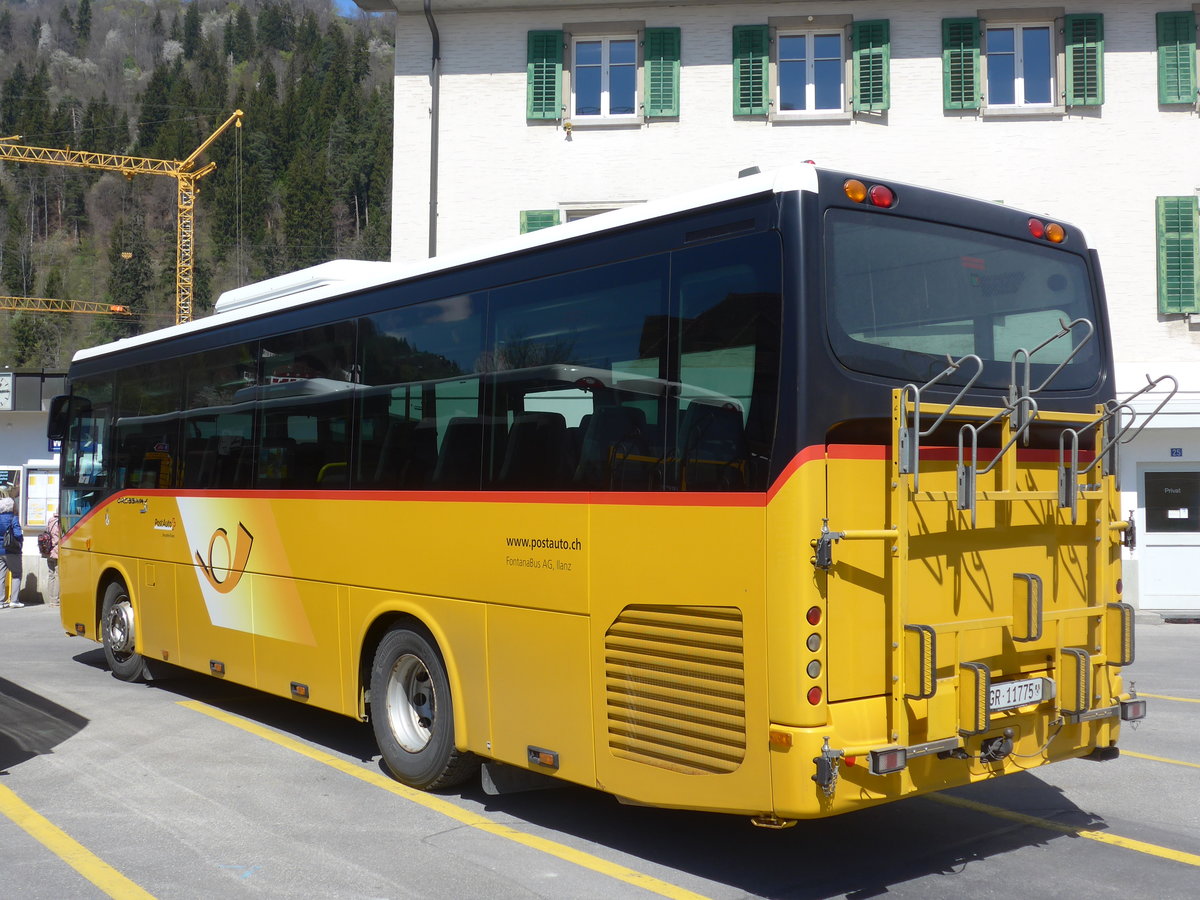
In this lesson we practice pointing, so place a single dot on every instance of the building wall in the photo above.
(1100, 168)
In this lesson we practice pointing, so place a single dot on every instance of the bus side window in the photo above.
(727, 336)
(578, 359)
(304, 405)
(418, 364)
(218, 426)
(147, 427)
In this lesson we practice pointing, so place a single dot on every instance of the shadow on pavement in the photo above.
(859, 855)
(31, 725)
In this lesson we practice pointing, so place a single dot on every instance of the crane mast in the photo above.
(181, 170)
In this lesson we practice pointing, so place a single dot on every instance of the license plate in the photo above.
(1011, 694)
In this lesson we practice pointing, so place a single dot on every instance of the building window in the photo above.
(604, 75)
(1176, 39)
(1178, 255)
(788, 71)
(537, 219)
(810, 72)
(1014, 61)
(1020, 66)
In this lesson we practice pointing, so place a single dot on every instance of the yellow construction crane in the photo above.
(180, 170)
(45, 304)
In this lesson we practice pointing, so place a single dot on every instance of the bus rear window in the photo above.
(902, 294)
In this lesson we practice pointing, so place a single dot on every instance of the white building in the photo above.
(513, 114)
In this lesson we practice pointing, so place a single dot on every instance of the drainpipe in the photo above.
(434, 110)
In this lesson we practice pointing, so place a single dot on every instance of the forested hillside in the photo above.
(306, 178)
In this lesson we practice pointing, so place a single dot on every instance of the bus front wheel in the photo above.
(118, 633)
(412, 713)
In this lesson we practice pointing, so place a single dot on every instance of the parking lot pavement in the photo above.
(196, 788)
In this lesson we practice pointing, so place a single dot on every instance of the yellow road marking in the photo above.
(437, 804)
(69, 850)
(1104, 837)
(1164, 697)
(1174, 762)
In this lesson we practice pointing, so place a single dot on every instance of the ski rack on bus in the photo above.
(913, 654)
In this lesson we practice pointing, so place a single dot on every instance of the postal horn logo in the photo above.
(238, 556)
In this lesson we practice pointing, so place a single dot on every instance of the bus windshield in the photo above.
(904, 293)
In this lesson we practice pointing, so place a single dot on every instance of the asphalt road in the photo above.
(194, 788)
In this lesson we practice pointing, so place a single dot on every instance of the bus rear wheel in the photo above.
(412, 713)
(118, 632)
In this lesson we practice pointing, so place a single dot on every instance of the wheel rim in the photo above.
(411, 704)
(118, 629)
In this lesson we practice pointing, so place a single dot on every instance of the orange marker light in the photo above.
(855, 190)
(1056, 233)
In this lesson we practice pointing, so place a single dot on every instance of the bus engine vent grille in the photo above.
(675, 687)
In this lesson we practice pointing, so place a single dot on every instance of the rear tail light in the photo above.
(876, 195)
(1132, 710)
(881, 196)
(885, 762)
(1049, 231)
(814, 695)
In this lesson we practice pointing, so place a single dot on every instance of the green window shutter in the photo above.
(535, 219)
(872, 63)
(1176, 57)
(1085, 59)
(961, 86)
(543, 85)
(662, 71)
(1178, 254)
(750, 63)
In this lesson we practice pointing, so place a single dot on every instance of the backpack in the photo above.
(45, 543)
(12, 543)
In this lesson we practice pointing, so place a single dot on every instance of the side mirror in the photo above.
(60, 415)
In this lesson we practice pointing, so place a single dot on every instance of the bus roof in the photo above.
(343, 276)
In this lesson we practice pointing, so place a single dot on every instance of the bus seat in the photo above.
(534, 455)
(460, 459)
(613, 434)
(712, 455)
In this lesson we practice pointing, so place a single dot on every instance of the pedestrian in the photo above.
(11, 560)
(54, 529)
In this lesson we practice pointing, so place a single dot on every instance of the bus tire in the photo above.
(412, 713)
(119, 634)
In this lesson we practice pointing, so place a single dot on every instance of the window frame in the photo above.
(810, 59)
(976, 58)
(657, 65)
(1019, 80)
(606, 65)
(810, 27)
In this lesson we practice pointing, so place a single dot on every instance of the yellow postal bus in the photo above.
(783, 499)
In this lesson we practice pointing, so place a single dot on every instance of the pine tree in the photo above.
(308, 209)
(83, 22)
(191, 30)
(131, 275)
